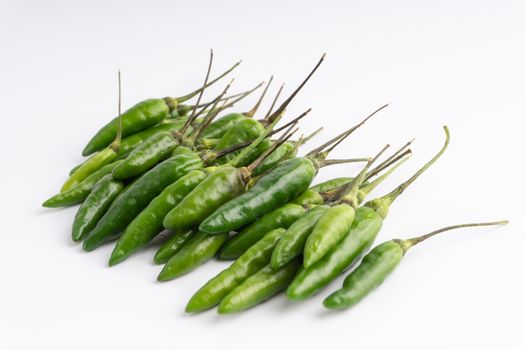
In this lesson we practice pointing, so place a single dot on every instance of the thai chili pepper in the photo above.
(139, 195)
(142, 116)
(259, 287)
(377, 265)
(293, 242)
(365, 227)
(336, 221)
(249, 263)
(331, 184)
(251, 234)
(95, 206)
(172, 246)
(199, 249)
(287, 181)
(221, 185)
(78, 193)
(148, 223)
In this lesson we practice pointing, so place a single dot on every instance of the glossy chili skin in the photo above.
(148, 224)
(219, 127)
(78, 193)
(365, 228)
(292, 243)
(94, 163)
(287, 181)
(308, 198)
(244, 130)
(146, 155)
(172, 246)
(284, 151)
(332, 226)
(199, 249)
(141, 116)
(251, 234)
(331, 184)
(94, 207)
(217, 188)
(254, 259)
(377, 265)
(139, 195)
(259, 287)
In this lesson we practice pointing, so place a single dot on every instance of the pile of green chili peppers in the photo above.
(207, 184)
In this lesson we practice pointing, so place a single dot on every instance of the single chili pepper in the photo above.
(199, 249)
(293, 242)
(172, 246)
(377, 265)
(78, 193)
(95, 206)
(142, 116)
(365, 227)
(287, 181)
(254, 259)
(336, 221)
(251, 234)
(259, 287)
(331, 184)
(148, 223)
(139, 195)
(223, 184)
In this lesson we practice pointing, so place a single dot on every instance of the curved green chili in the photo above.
(172, 245)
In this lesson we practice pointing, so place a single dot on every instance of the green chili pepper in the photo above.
(251, 234)
(308, 198)
(78, 193)
(172, 246)
(378, 265)
(259, 287)
(199, 249)
(365, 227)
(148, 223)
(331, 184)
(139, 195)
(218, 128)
(95, 205)
(254, 259)
(141, 116)
(146, 155)
(295, 237)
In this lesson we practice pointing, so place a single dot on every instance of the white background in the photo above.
(454, 62)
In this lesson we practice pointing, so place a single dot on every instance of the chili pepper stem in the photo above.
(382, 204)
(115, 145)
(389, 161)
(365, 190)
(406, 244)
(285, 104)
(193, 93)
(320, 151)
(274, 102)
(254, 109)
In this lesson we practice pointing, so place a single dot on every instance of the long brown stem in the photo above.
(283, 106)
(193, 93)
(274, 102)
(254, 109)
(389, 161)
(203, 85)
(408, 243)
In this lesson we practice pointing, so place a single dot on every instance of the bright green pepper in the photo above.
(219, 127)
(254, 259)
(259, 287)
(251, 234)
(378, 265)
(146, 155)
(284, 151)
(138, 196)
(292, 243)
(78, 193)
(172, 246)
(331, 184)
(148, 224)
(199, 249)
(95, 205)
